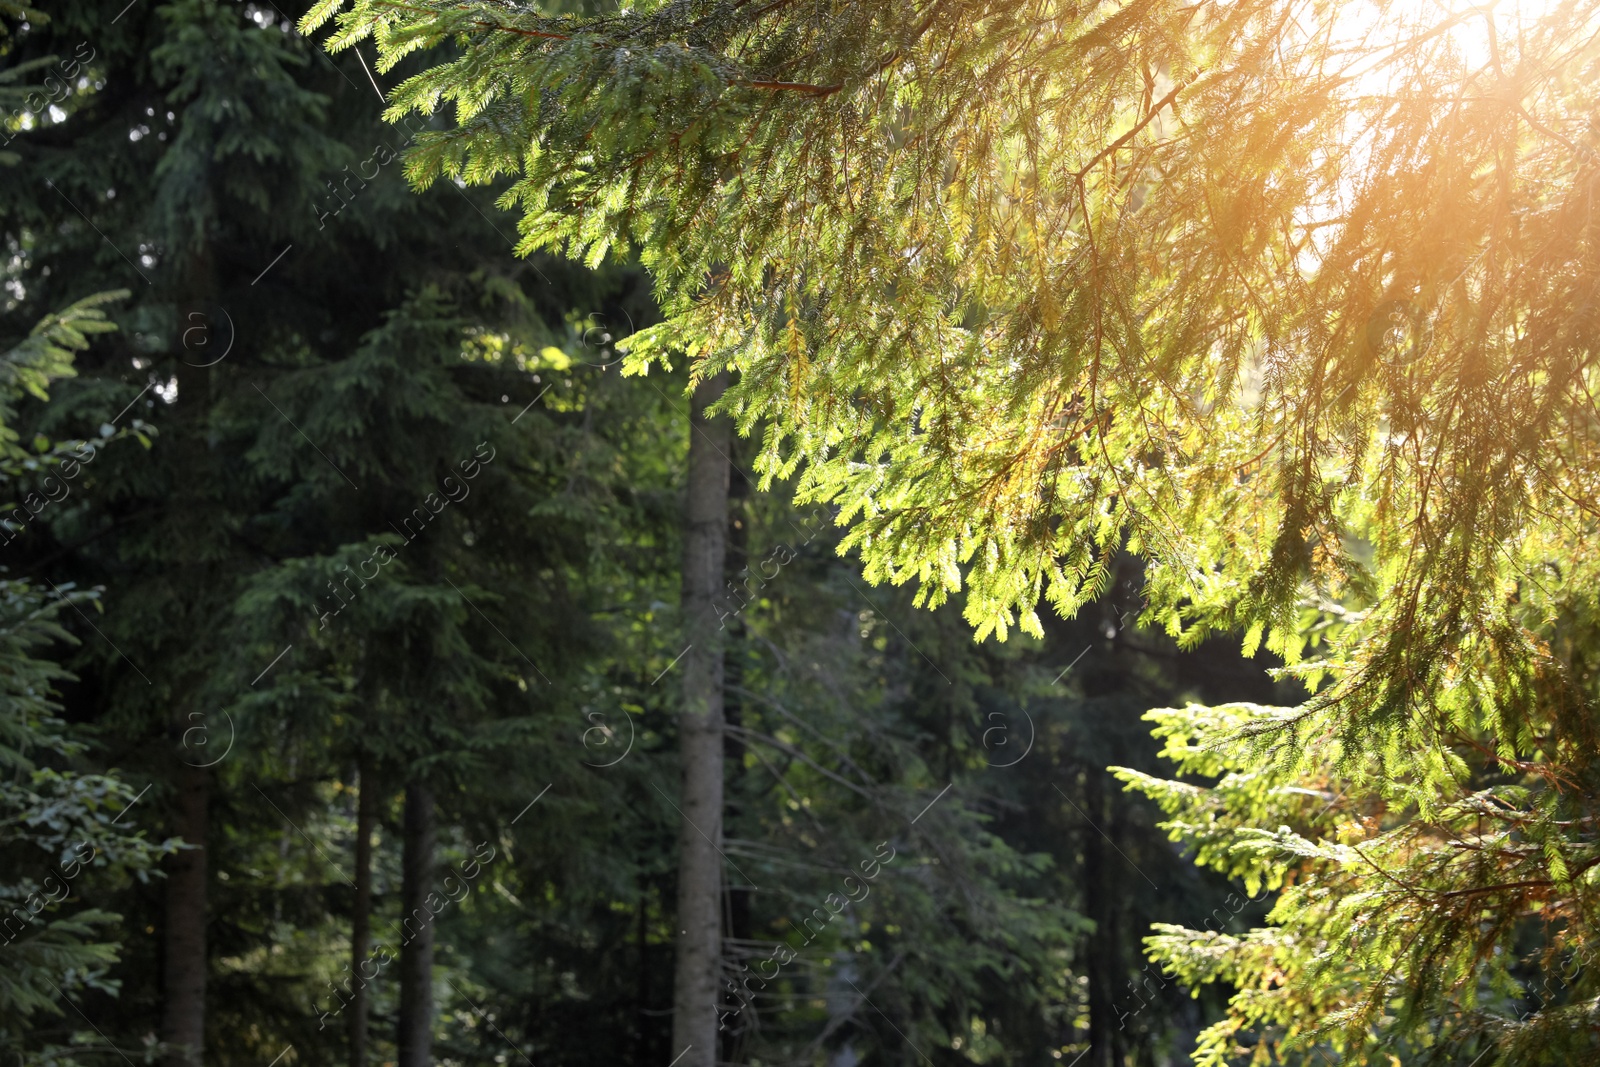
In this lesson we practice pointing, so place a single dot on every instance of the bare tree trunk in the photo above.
(737, 923)
(183, 1009)
(641, 997)
(361, 916)
(1111, 1009)
(694, 1000)
(415, 1037)
(183, 1020)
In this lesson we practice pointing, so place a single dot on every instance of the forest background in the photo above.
(270, 610)
(406, 662)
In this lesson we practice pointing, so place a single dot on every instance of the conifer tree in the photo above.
(700, 864)
(61, 829)
(1297, 303)
(254, 205)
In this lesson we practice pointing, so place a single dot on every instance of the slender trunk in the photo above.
(694, 999)
(183, 1021)
(415, 1037)
(641, 996)
(1112, 1008)
(361, 916)
(737, 924)
(183, 1018)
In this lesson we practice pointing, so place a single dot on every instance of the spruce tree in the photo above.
(1298, 305)
(296, 318)
(63, 829)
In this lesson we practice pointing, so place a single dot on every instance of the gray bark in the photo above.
(695, 993)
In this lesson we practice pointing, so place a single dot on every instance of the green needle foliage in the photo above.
(45, 355)
(202, 138)
(1297, 301)
(58, 824)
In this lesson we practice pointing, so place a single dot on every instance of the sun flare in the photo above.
(1370, 39)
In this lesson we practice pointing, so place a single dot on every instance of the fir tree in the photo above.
(61, 823)
(252, 235)
(1298, 304)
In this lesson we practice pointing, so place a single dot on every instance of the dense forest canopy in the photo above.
(498, 500)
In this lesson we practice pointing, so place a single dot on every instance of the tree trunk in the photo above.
(1112, 1008)
(641, 1036)
(694, 1000)
(183, 1018)
(183, 1021)
(415, 1037)
(738, 925)
(361, 917)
